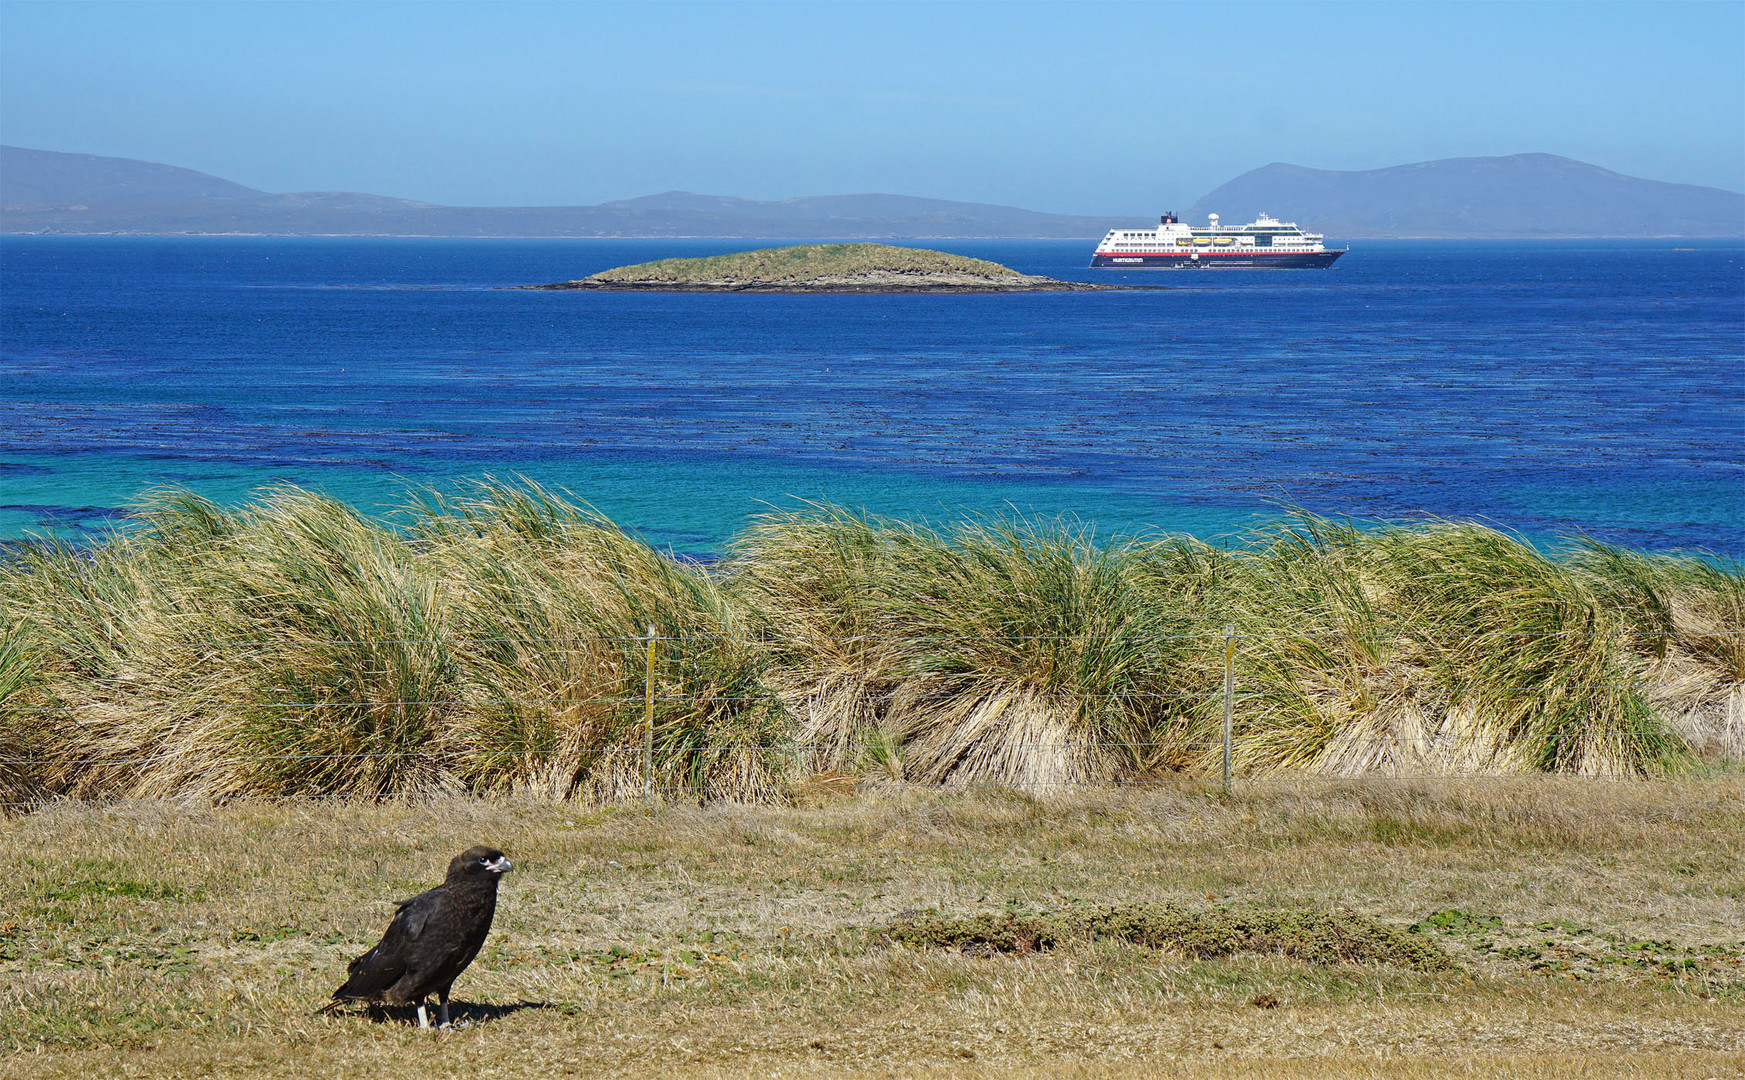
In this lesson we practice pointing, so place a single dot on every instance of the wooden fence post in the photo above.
(648, 722)
(1229, 694)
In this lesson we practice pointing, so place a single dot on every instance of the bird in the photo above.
(431, 939)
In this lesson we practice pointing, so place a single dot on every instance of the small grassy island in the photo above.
(823, 268)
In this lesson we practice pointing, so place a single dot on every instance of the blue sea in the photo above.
(1551, 387)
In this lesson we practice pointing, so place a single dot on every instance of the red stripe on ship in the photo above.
(1185, 254)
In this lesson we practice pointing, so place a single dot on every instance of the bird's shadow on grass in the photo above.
(459, 1012)
(478, 1013)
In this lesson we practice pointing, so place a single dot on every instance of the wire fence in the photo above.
(904, 640)
(1362, 756)
(793, 747)
(1733, 799)
(464, 701)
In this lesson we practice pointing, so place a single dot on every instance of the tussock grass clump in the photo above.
(834, 662)
(1686, 618)
(1529, 657)
(352, 676)
(1316, 937)
(1003, 652)
(23, 721)
(551, 625)
(293, 647)
(289, 647)
(494, 641)
(1441, 649)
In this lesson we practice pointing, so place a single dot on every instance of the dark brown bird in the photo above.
(432, 938)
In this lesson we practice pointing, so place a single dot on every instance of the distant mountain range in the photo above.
(46, 192)
(1527, 195)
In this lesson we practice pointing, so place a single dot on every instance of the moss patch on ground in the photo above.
(1315, 937)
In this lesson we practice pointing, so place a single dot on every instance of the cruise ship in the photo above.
(1262, 243)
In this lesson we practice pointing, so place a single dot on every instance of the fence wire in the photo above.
(681, 794)
(790, 749)
(445, 754)
(1418, 693)
(1333, 633)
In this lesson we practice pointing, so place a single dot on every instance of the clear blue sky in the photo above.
(1070, 107)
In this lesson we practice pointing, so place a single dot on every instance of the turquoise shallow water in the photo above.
(1549, 387)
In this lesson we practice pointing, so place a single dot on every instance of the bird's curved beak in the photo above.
(500, 865)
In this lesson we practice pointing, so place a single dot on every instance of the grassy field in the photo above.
(1539, 927)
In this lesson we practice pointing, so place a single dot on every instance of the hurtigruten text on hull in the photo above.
(1264, 244)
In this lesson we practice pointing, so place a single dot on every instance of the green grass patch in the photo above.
(1316, 937)
(110, 889)
(1455, 921)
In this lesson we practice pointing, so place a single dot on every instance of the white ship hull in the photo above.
(1263, 244)
(1216, 260)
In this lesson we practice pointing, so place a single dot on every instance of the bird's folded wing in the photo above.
(385, 964)
(416, 912)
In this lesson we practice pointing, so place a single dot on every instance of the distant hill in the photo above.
(42, 191)
(44, 178)
(1525, 195)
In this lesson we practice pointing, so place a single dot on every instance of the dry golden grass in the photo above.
(491, 644)
(1597, 927)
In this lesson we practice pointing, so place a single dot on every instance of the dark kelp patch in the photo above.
(1316, 937)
